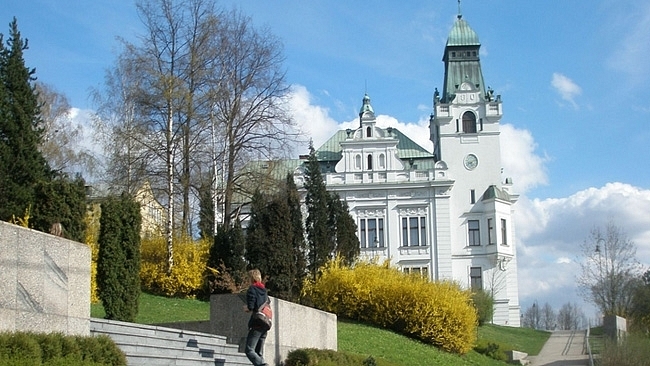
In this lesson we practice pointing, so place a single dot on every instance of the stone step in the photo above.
(154, 345)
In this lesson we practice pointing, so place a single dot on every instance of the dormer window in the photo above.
(469, 122)
(369, 131)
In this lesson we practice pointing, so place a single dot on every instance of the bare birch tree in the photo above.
(60, 146)
(250, 102)
(610, 270)
(208, 95)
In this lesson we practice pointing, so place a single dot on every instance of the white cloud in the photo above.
(550, 232)
(633, 44)
(567, 89)
(519, 159)
(311, 119)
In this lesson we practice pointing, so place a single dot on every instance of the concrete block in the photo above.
(294, 326)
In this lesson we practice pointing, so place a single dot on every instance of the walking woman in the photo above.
(255, 297)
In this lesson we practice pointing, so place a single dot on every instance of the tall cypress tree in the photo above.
(320, 243)
(21, 163)
(206, 211)
(257, 240)
(118, 264)
(270, 243)
(299, 268)
(344, 230)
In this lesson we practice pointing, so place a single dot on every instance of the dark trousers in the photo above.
(255, 346)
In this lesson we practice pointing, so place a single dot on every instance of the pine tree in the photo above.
(21, 163)
(118, 264)
(320, 242)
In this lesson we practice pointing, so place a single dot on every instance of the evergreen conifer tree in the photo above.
(299, 268)
(227, 254)
(118, 263)
(61, 200)
(206, 212)
(21, 163)
(270, 243)
(344, 229)
(320, 242)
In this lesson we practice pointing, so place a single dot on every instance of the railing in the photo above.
(591, 356)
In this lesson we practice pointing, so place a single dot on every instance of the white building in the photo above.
(446, 215)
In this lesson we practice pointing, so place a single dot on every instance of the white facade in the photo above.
(447, 215)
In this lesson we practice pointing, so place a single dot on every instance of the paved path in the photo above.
(563, 348)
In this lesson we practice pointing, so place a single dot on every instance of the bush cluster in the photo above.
(35, 349)
(631, 350)
(187, 277)
(493, 350)
(438, 313)
(323, 357)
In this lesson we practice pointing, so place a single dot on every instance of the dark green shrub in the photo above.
(483, 302)
(324, 357)
(19, 346)
(36, 349)
(101, 350)
(492, 349)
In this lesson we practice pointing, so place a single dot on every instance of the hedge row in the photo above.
(438, 313)
(35, 349)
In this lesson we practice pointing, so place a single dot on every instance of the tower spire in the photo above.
(460, 15)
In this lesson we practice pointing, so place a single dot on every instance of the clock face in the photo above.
(471, 162)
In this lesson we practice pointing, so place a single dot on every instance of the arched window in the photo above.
(357, 162)
(469, 122)
(369, 132)
(369, 161)
(382, 161)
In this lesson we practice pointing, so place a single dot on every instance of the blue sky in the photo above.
(573, 76)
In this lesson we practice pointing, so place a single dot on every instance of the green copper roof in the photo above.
(462, 35)
(494, 192)
(406, 148)
(366, 107)
(462, 62)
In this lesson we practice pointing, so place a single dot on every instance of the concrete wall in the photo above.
(44, 282)
(294, 326)
(614, 327)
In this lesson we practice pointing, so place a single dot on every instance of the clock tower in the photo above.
(464, 129)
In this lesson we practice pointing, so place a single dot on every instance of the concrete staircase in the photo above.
(153, 345)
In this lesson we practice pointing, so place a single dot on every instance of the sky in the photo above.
(573, 77)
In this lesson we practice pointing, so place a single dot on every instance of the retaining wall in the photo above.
(44, 282)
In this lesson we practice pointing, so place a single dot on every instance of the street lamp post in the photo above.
(601, 278)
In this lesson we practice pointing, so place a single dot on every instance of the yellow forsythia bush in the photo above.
(438, 313)
(92, 234)
(187, 276)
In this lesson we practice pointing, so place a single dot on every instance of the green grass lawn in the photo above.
(354, 337)
(157, 309)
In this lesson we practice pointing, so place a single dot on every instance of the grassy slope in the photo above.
(353, 337)
(157, 309)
